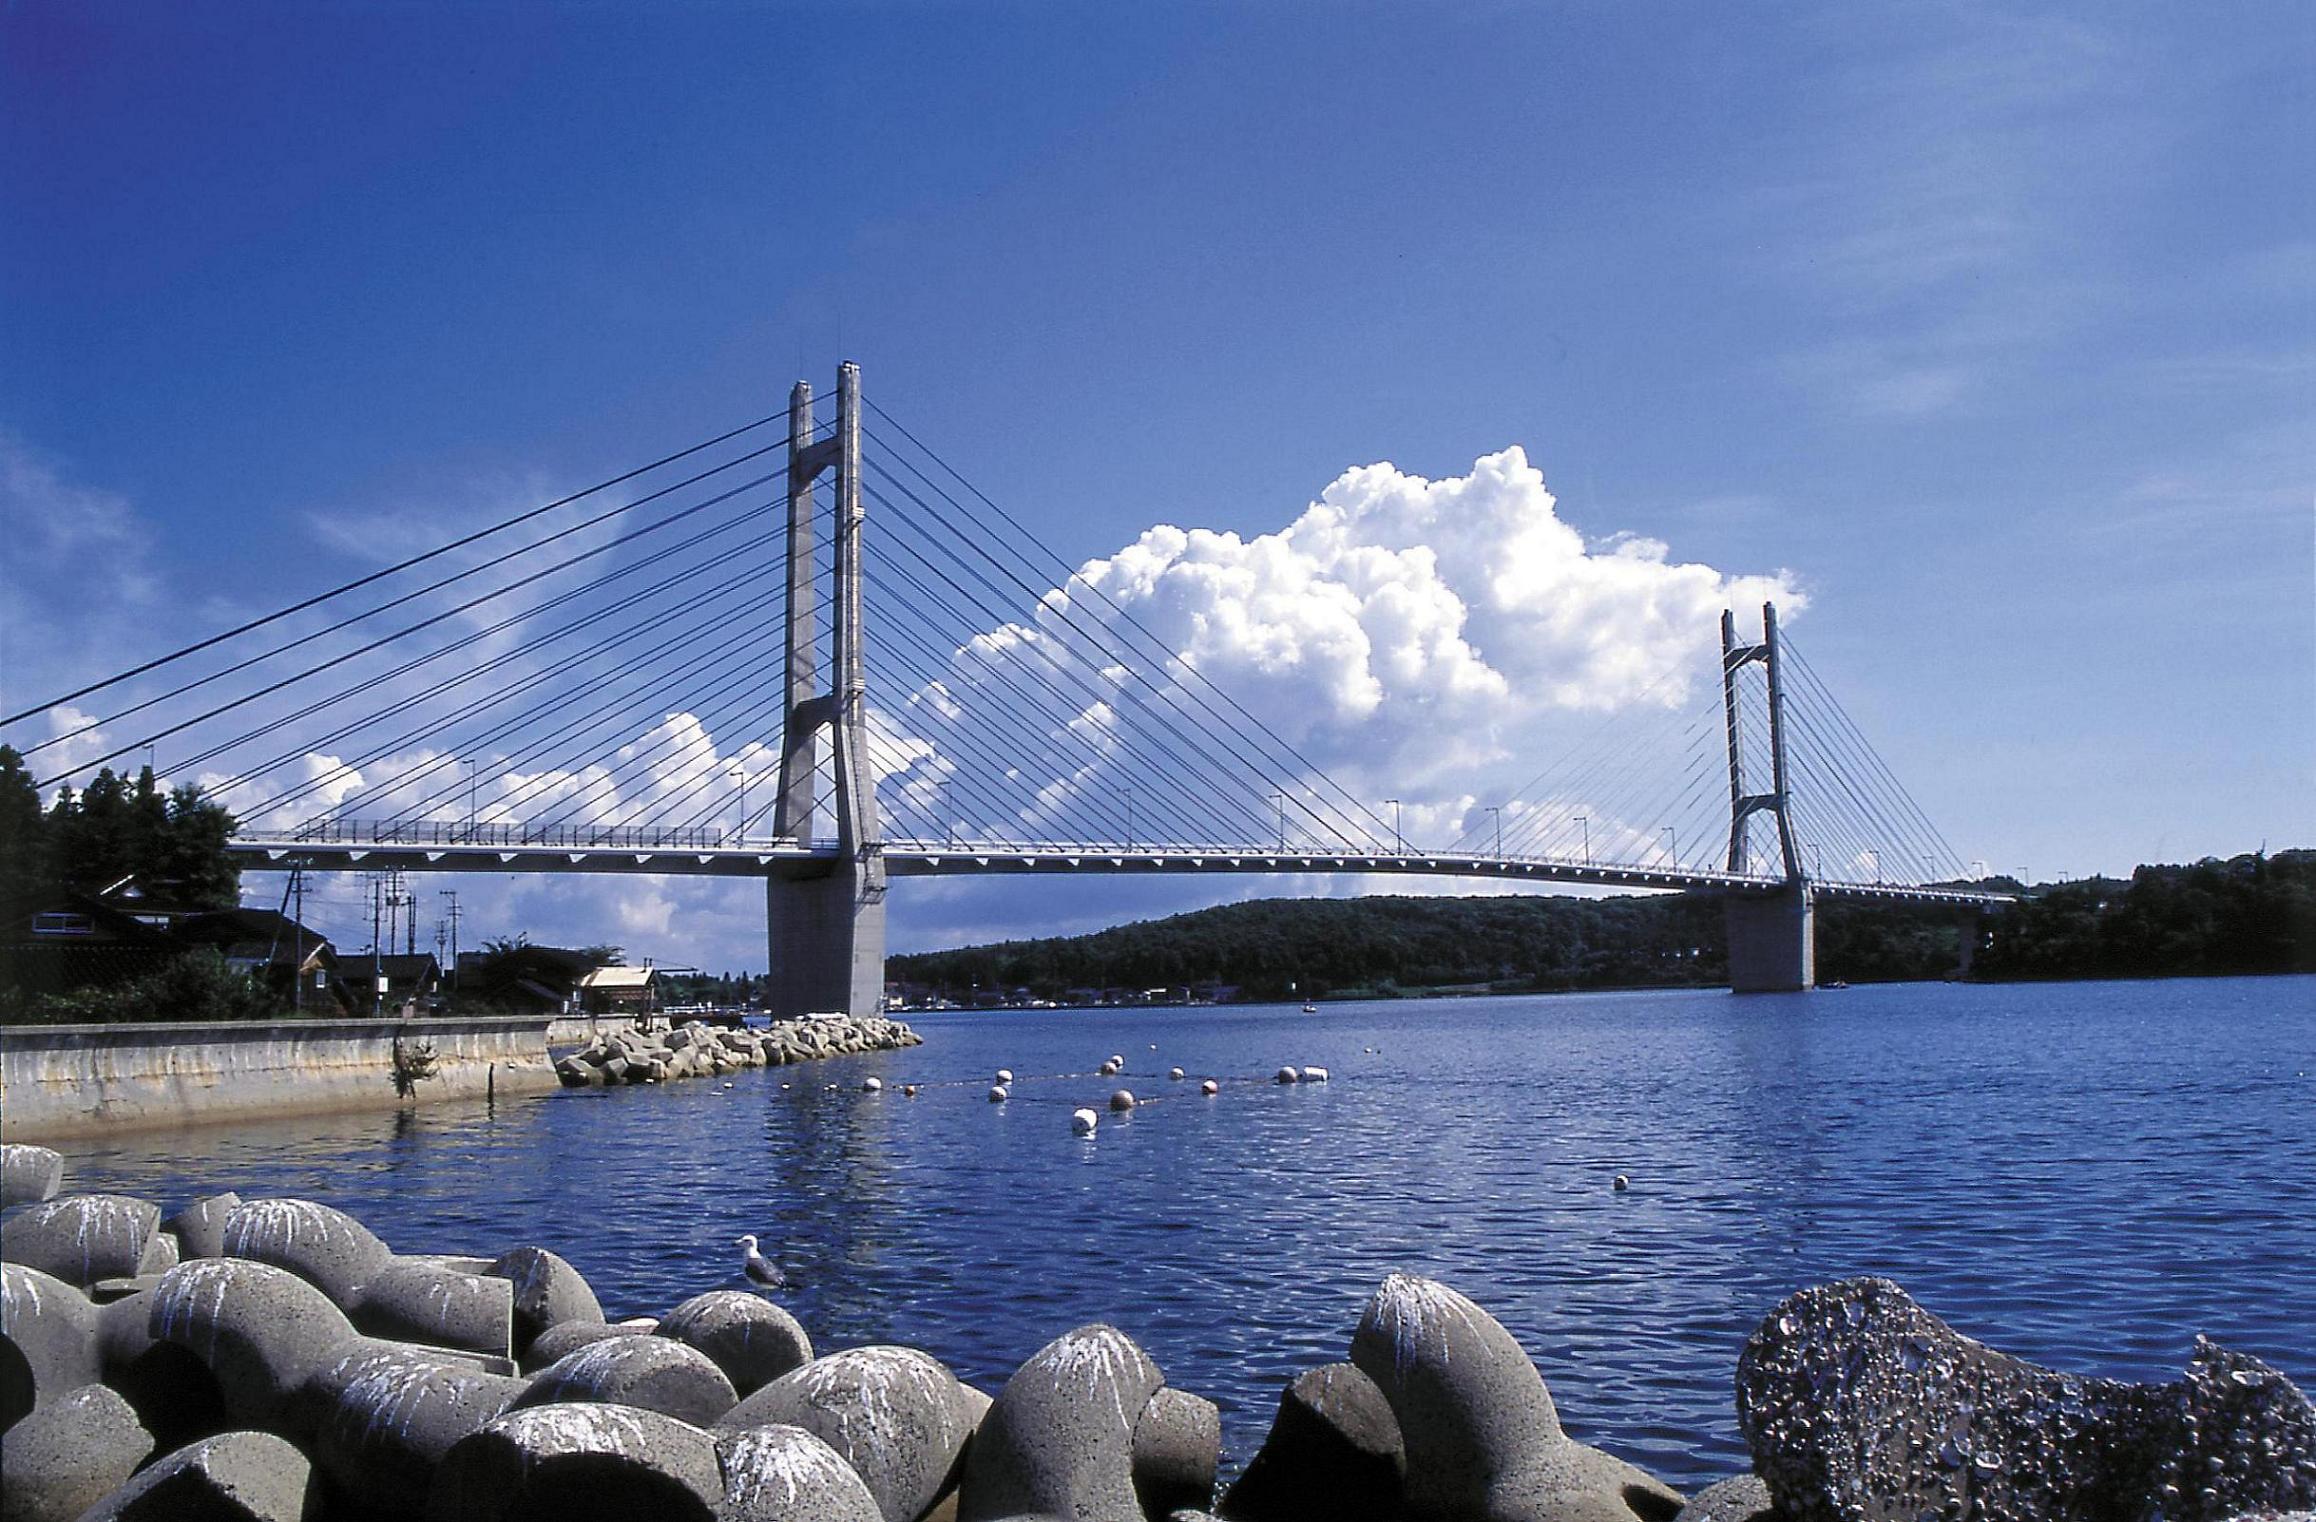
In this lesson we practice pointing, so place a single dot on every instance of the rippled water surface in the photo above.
(2086, 1175)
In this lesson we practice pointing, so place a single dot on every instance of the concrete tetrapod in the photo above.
(200, 1227)
(566, 1337)
(1858, 1403)
(1333, 1455)
(897, 1416)
(748, 1337)
(1177, 1448)
(1059, 1442)
(81, 1238)
(1483, 1440)
(174, 1394)
(48, 1341)
(785, 1474)
(1741, 1499)
(29, 1175)
(548, 1292)
(233, 1477)
(262, 1331)
(579, 1463)
(653, 1373)
(387, 1416)
(327, 1248)
(65, 1457)
(426, 1301)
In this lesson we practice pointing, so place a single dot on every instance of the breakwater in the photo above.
(275, 1359)
(61, 1081)
(701, 1050)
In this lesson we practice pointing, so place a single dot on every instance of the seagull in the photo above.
(760, 1269)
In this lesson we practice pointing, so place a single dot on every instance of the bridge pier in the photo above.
(826, 937)
(1772, 940)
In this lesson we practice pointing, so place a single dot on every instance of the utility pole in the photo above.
(298, 941)
(452, 895)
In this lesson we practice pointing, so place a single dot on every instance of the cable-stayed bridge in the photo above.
(632, 679)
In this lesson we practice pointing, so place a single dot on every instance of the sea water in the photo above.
(2082, 1174)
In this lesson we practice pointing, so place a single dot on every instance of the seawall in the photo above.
(76, 1080)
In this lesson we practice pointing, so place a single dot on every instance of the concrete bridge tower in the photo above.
(1772, 936)
(826, 920)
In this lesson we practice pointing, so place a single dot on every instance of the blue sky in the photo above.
(1994, 329)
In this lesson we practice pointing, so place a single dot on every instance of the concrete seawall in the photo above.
(75, 1080)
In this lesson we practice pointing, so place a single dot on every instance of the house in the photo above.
(69, 939)
(409, 985)
(522, 978)
(631, 991)
(278, 951)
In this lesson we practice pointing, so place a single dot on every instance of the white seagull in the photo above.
(760, 1269)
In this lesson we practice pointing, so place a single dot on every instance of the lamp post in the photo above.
(1817, 860)
(948, 819)
(471, 808)
(742, 833)
(1398, 842)
(1497, 814)
(1586, 821)
(1129, 792)
(1877, 856)
(1673, 846)
(1280, 799)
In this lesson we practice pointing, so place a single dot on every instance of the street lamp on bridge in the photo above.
(1586, 821)
(1673, 845)
(1280, 799)
(1497, 814)
(1398, 842)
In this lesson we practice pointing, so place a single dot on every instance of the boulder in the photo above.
(1742, 1499)
(579, 1463)
(427, 1301)
(1177, 1448)
(262, 1331)
(48, 1341)
(570, 1336)
(171, 1389)
(29, 1175)
(1857, 1402)
(1059, 1441)
(785, 1474)
(1483, 1440)
(81, 1238)
(748, 1337)
(233, 1477)
(68, 1455)
(327, 1248)
(1333, 1455)
(388, 1414)
(897, 1416)
(653, 1373)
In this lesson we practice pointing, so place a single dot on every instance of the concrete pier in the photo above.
(1772, 941)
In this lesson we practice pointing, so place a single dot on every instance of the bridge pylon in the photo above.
(825, 922)
(1772, 937)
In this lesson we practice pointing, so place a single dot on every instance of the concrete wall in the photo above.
(75, 1080)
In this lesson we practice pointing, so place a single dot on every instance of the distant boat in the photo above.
(1836, 983)
(1310, 1008)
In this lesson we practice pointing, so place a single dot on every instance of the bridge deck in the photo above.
(701, 857)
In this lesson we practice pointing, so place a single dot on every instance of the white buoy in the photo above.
(1108, 1069)
(872, 1086)
(909, 1089)
(1122, 1100)
(1288, 1075)
(1084, 1121)
(1005, 1075)
(1174, 1073)
(1622, 1184)
(999, 1094)
(1118, 1061)
(1153, 1046)
(1314, 1075)
(1210, 1087)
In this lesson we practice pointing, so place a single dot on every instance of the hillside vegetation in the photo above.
(2252, 914)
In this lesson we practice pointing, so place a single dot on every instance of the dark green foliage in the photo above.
(1277, 948)
(2249, 914)
(2253, 914)
(197, 985)
(173, 842)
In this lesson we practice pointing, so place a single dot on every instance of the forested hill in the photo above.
(2252, 914)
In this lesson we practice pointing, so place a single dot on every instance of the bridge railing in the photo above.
(576, 837)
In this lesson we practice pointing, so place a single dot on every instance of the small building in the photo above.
(76, 940)
(410, 984)
(297, 962)
(629, 991)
